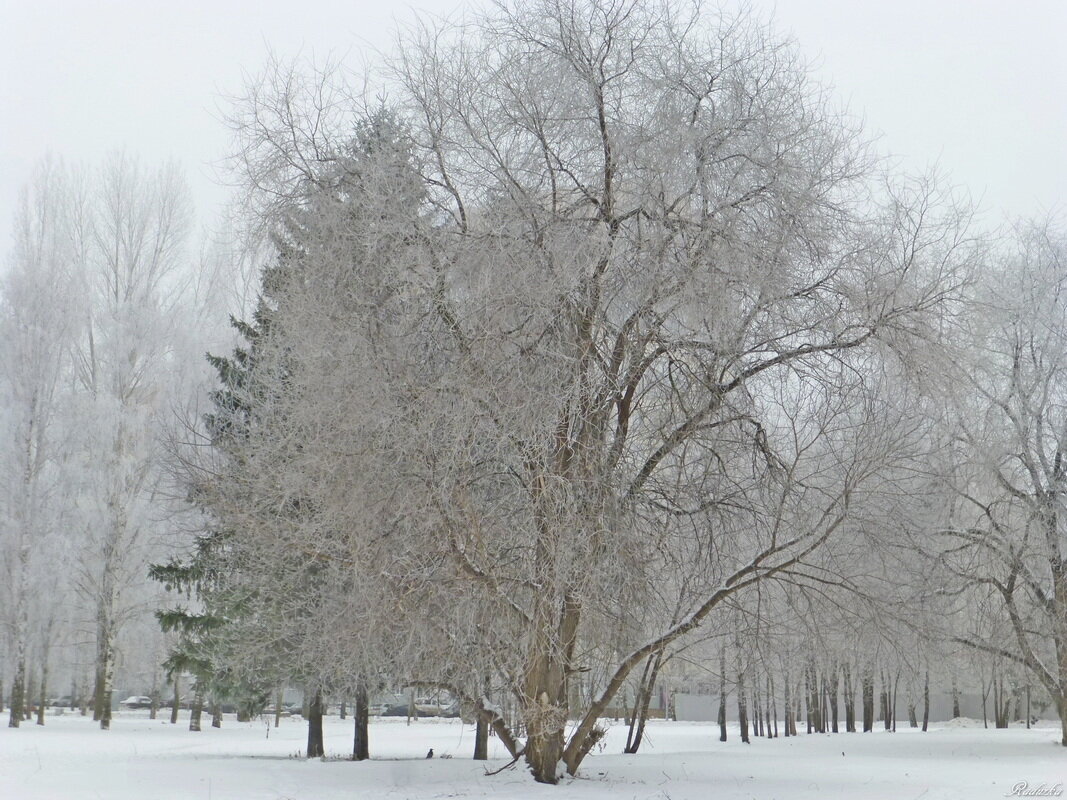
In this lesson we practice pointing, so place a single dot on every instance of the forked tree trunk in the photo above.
(316, 745)
(361, 718)
(636, 731)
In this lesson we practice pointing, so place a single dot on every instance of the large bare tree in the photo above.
(617, 356)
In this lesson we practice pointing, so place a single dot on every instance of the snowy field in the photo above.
(140, 759)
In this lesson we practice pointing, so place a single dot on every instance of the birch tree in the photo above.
(133, 226)
(35, 336)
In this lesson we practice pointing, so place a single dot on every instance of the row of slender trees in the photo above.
(103, 317)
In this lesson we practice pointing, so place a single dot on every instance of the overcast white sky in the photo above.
(978, 86)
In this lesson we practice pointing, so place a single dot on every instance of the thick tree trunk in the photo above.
(913, 721)
(481, 738)
(216, 713)
(197, 710)
(360, 723)
(18, 694)
(316, 744)
(545, 692)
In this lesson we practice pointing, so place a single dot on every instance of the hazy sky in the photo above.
(978, 86)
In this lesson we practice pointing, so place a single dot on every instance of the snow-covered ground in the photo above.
(140, 759)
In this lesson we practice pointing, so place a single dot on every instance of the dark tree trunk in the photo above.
(774, 705)
(742, 706)
(926, 700)
(481, 738)
(769, 706)
(807, 697)
(893, 703)
(344, 711)
(278, 697)
(834, 677)
(177, 699)
(641, 703)
(216, 713)
(153, 706)
(197, 709)
(913, 721)
(18, 696)
(722, 696)
(788, 709)
(757, 708)
(316, 748)
(955, 699)
(868, 701)
(361, 718)
(850, 699)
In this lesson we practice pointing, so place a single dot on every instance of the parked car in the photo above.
(61, 702)
(136, 701)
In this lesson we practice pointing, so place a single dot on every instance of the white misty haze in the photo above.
(977, 86)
